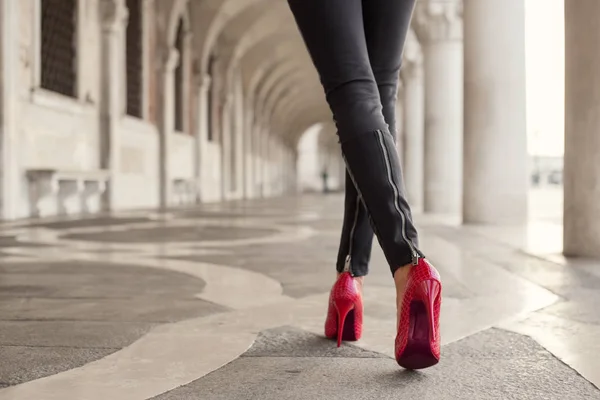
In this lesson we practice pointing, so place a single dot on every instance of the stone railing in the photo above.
(62, 192)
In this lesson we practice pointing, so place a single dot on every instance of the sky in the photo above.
(544, 27)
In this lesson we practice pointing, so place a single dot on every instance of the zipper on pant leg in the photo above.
(415, 254)
(348, 265)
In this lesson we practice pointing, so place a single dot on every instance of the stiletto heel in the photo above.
(418, 338)
(345, 313)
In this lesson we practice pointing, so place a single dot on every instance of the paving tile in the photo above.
(292, 342)
(169, 234)
(86, 279)
(242, 214)
(560, 279)
(88, 223)
(88, 334)
(11, 241)
(303, 268)
(60, 315)
(139, 309)
(307, 267)
(494, 364)
(583, 308)
(20, 364)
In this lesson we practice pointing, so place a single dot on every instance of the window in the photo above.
(134, 59)
(179, 79)
(58, 47)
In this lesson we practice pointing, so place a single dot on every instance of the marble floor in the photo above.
(226, 301)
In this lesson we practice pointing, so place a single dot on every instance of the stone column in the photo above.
(114, 16)
(256, 154)
(438, 25)
(11, 175)
(266, 164)
(276, 162)
(240, 142)
(414, 120)
(202, 133)
(166, 125)
(225, 150)
(275, 166)
(186, 62)
(288, 169)
(148, 18)
(249, 168)
(281, 169)
(495, 183)
(582, 129)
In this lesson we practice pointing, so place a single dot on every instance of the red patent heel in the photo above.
(345, 313)
(418, 340)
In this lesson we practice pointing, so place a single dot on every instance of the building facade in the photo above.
(130, 104)
(115, 105)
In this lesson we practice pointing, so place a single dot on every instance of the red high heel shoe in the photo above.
(418, 339)
(345, 313)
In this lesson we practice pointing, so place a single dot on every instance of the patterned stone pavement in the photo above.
(226, 301)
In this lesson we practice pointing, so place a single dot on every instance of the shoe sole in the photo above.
(418, 354)
(348, 332)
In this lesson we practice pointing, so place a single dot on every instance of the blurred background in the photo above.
(141, 104)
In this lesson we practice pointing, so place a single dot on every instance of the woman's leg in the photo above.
(335, 37)
(386, 25)
(385, 33)
(356, 242)
(386, 28)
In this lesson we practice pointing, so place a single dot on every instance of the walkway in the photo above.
(227, 302)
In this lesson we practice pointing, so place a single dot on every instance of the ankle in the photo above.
(400, 280)
(359, 280)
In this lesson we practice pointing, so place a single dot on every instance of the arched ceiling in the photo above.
(259, 38)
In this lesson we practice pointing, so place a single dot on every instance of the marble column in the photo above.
(290, 171)
(248, 154)
(10, 145)
(148, 18)
(277, 160)
(266, 162)
(438, 25)
(226, 142)
(202, 133)
(495, 183)
(582, 129)
(257, 154)
(414, 120)
(187, 73)
(114, 16)
(167, 122)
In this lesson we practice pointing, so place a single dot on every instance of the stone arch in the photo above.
(251, 28)
(272, 68)
(257, 69)
(210, 17)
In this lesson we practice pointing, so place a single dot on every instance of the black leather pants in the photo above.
(356, 46)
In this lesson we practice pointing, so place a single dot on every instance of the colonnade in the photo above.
(464, 95)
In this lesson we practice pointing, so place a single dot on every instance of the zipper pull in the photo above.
(347, 264)
(415, 259)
